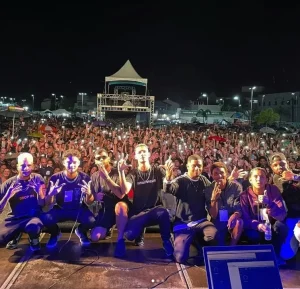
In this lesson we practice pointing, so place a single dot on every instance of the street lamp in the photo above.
(82, 94)
(32, 102)
(53, 94)
(205, 95)
(237, 98)
(251, 105)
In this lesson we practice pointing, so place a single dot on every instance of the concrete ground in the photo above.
(70, 266)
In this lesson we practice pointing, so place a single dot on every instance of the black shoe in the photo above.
(34, 244)
(120, 249)
(139, 241)
(168, 247)
(84, 240)
(13, 244)
(52, 242)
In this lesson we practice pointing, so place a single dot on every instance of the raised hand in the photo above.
(14, 188)
(35, 184)
(288, 175)
(86, 188)
(55, 188)
(169, 165)
(236, 173)
(103, 172)
(122, 166)
(216, 192)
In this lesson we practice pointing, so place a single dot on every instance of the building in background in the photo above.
(284, 103)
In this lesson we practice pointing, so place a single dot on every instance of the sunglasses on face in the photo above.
(99, 158)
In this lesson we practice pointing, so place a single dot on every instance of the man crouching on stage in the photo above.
(70, 193)
(25, 195)
(146, 209)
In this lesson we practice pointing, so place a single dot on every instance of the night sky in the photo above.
(182, 50)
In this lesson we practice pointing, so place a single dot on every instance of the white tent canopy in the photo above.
(126, 73)
(61, 112)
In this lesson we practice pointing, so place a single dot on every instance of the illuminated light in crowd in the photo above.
(81, 147)
(225, 163)
(283, 134)
(262, 142)
(82, 141)
(240, 141)
(193, 132)
(63, 127)
(282, 149)
(201, 150)
(264, 134)
(246, 147)
(229, 159)
(252, 133)
(10, 153)
(98, 148)
(34, 121)
(267, 152)
(294, 152)
(204, 137)
(271, 138)
(214, 150)
(241, 134)
(282, 140)
(90, 142)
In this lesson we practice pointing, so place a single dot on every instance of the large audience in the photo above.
(241, 164)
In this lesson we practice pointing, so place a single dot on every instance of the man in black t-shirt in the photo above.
(70, 193)
(147, 209)
(191, 215)
(106, 190)
(25, 195)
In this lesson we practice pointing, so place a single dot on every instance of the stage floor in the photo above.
(74, 267)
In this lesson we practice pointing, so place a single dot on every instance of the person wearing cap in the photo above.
(291, 195)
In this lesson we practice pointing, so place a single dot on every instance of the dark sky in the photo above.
(182, 50)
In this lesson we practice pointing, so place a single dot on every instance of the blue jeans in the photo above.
(279, 234)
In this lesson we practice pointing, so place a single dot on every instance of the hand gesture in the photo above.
(35, 184)
(86, 187)
(262, 228)
(237, 174)
(216, 192)
(169, 165)
(55, 188)
(122, 166)
(288, 175)
(99, 197)
(232, 221)
(103, 172)
(14, 188)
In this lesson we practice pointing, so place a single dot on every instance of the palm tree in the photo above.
(203, 113)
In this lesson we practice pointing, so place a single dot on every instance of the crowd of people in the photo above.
(212, 186)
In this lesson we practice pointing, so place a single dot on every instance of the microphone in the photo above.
(81, 198)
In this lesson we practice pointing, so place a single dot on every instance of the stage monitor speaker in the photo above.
(242, 267)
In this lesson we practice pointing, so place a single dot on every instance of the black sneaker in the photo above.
(52, 242)
(168, 247)
(120, 249)
(13, 244)
(84, 240)
(139, 241)
(34, 244)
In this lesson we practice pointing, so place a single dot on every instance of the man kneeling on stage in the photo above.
(146, 210)
(191, 216)
(25, 195)
(70, 193)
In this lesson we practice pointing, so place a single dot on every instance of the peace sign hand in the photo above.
(122, 166)
(86, 187)
(35, 184)
(14, 188)
(55, 188)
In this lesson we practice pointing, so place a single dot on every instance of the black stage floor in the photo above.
(74, 267)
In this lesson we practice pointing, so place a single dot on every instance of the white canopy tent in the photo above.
(61, 112)
(126, 74)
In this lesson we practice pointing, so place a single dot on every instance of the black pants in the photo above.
(84, 217)
(10, 229)
(205, 232)
(155, 216)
